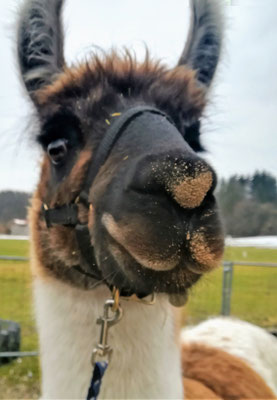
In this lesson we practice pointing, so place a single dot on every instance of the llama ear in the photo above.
(202, 50)
(40, 42)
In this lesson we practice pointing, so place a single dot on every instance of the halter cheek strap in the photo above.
(67, 215)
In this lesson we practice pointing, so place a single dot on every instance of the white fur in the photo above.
(249, 342)
(146, 360)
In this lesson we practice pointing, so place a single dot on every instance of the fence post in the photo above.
(227, 287)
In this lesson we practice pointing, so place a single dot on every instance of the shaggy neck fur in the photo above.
(146, 359)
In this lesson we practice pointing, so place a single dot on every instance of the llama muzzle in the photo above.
(154, 209)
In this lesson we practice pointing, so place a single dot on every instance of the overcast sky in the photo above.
(242, 119)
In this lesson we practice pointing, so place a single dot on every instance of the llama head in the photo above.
(152, 220)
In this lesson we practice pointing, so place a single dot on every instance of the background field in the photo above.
(19, 379)
(254, 298)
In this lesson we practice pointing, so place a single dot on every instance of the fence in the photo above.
(227, 283)
(220, 305)
(248, 292)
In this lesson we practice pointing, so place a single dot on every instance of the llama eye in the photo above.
(57, 151)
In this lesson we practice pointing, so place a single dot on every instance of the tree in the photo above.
(248, 219)
(230, 193)
(249, 204)
(13, 205)
(263, 188)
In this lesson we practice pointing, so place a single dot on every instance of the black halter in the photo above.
(67, 215)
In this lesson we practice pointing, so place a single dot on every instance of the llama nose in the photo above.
(189, 182)
(186, 179)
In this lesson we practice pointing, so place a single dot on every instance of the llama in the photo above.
(250, 343)
(124, 201)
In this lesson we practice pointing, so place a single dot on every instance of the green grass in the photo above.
(254, 298)
(19, 248)
(20, 378)
(254, 294)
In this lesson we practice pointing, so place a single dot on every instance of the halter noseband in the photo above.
(67, 215)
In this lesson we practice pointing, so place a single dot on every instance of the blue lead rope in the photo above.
(96, 380)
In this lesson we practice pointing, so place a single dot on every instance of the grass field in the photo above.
(19, 379)
(254, 294)
(254, 298)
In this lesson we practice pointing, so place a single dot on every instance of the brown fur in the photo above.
(173, 90)
(226, 375)
(54, 251)
(56, 248)
(196, 390)
(70, 188)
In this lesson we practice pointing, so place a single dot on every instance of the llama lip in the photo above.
(156, 263)
(171, 270)
(124, 272)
